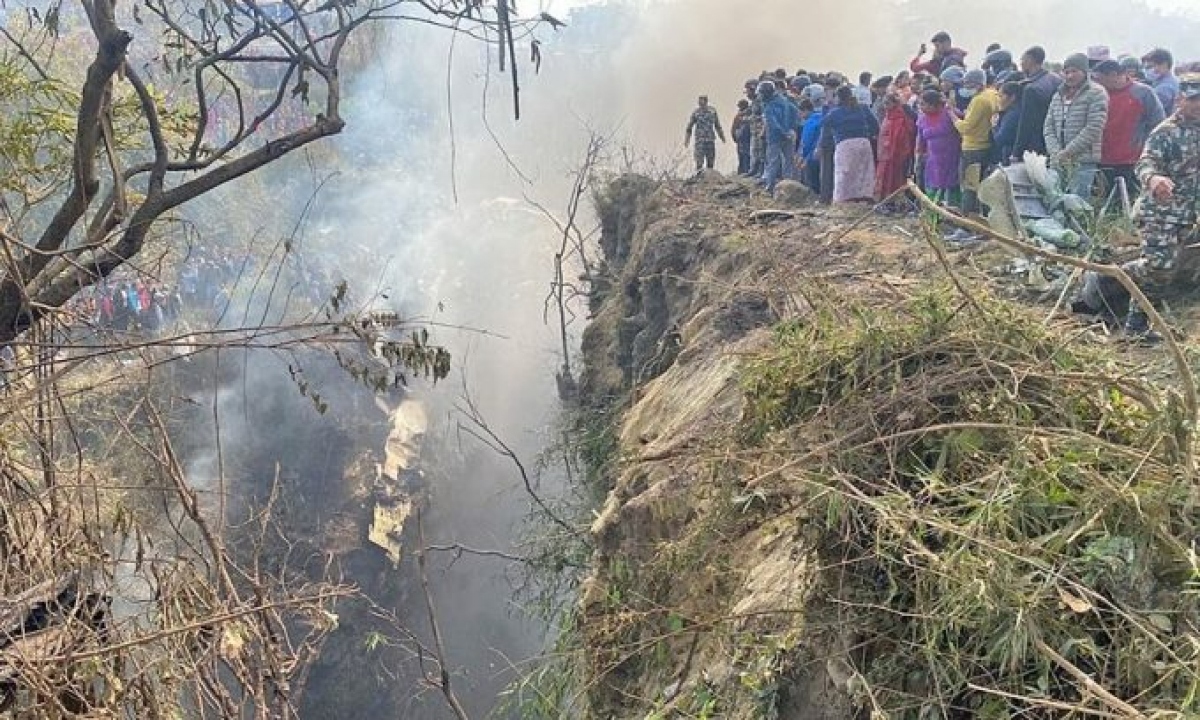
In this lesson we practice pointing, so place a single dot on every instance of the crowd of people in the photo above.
(945, 123)
(134, 302)
(1099, 121)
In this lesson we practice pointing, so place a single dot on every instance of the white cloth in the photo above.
(853, 170)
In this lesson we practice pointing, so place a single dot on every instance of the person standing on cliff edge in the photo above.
(707, 128)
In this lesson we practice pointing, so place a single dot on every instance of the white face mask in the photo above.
(1153, 75)
(967, 93)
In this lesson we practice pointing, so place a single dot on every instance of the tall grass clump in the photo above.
(1001, 507)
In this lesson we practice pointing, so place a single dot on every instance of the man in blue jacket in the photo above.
(1159, 67)
(810, 153)
(782, 119)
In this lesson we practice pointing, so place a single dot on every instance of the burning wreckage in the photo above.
(398, 483)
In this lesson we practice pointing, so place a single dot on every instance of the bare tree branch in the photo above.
(305, 46)
(443, 680)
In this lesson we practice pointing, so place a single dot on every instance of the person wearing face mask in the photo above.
(1159, 68)
(1074, 127)
(975, 128)
(1166, 213)
(951, 84)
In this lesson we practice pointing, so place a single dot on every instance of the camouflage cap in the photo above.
(1189, 85)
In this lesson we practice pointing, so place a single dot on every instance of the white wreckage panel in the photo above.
(393, 496)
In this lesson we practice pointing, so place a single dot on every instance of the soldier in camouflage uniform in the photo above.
(758, 131)
(707, 128)
(740, 131)
(1166, 213)
(758, 140)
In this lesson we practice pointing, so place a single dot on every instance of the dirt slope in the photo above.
(812, 420)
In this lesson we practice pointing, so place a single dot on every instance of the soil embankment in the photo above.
(844, 485)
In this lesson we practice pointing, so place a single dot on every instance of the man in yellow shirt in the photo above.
(975, 127)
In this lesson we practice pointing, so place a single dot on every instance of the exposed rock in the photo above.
(807, 432)
(790, 193)
(684, 305)
(655, 258)
(778, 584)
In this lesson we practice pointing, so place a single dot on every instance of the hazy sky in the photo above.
(1187, 7)
(1177, 5)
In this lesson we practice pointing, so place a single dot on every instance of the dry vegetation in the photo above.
(912, 498)
(1004, 511)
(122, 595)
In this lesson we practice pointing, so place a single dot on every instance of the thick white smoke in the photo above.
(389, 222)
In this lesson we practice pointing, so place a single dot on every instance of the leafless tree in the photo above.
(218, 633)
(253, 58)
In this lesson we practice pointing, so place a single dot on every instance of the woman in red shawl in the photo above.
(897, 142)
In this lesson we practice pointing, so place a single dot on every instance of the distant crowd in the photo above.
(1093, 121)
(946, 122)
(133, 302)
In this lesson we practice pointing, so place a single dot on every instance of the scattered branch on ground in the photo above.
(1186, 378)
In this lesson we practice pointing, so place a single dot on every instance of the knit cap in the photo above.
(816, 93)
(954, 75)
(1076, 61)
(978, 78)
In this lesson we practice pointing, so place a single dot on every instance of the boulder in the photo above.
(791, 193)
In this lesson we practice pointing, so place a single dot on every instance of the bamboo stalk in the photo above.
(1186, 378)
(1091, 685)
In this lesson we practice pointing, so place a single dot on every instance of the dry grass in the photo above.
(1003, 516)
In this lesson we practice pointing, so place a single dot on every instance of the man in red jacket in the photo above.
(1133, 112)
(945, 55)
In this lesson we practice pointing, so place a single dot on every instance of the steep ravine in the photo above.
(693, 289)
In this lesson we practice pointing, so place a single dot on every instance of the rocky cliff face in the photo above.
(689, 580)
(844, 486)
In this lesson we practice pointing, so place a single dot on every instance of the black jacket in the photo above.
(1036, 94)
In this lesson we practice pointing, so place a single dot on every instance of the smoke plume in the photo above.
(427, 214)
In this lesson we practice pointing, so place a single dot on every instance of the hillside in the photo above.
(844, 482)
